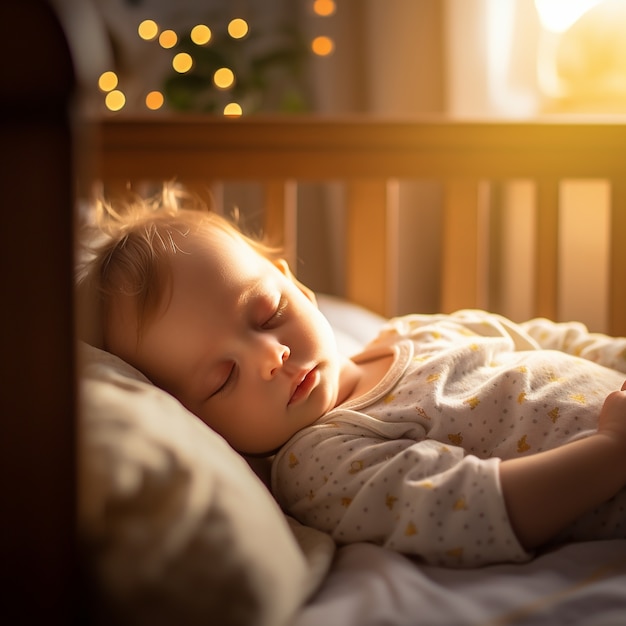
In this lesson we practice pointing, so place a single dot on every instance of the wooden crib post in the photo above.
(617, 278)
(38, 408)
(547, 248)
(280, 216)
(463, 247)
(368, 244)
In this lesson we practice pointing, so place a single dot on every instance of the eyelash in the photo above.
(226, 382)
(270, 323)
(276, 316)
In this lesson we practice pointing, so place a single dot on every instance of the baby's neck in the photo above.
(359, 378)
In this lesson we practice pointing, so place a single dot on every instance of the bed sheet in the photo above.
(574, 584)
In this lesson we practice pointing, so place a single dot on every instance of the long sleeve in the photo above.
(417, 497)
(574, 338)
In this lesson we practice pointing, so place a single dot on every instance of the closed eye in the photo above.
(228, 379)
(277, 315)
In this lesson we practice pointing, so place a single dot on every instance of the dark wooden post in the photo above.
(38, 399)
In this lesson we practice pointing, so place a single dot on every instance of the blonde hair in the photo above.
(124, 250)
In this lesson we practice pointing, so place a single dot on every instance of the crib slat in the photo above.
(280, 216)
(547, 248)
(367, 244)
(461, 246)
(617, 279)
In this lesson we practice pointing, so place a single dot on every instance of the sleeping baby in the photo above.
(463, 439)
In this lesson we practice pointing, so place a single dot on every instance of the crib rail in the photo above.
(469, 159)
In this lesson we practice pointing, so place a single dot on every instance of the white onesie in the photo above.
(413, 464)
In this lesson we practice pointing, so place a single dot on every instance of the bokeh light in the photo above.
(115, 100)
(322, 46)
(201, 34)
(148, 30)
(154, 100)
(233, 109)
(224, 78)
(238, 28)
(182, 62)
(324, 8)
(168, 39)
(557, 16)
(107, 81)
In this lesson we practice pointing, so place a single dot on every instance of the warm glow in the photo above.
(324, 8)
(233, 109)
(558, 15)
(168, 39)
(238, 28)
(115, 100)
(322, 46)
(201, 35)
(148, 30)
(108, 81)
(182, 62)
(224, 78)
(154, 100)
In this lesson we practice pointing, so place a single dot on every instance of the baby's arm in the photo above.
(574, 338)
(547, 491)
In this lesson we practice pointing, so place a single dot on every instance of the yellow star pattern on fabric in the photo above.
(521, 398)
(390, 501)
(432, 378)
(553, 378)
(410, 529)
(456, 553)
(346, 502)
(293, 460)
(523, 445)
(389, 398)
(422, 413)
(455, 439)
(473, 402)
(460, 505)
(579, 397)
(554, 414)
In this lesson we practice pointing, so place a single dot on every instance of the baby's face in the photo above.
(239, 343)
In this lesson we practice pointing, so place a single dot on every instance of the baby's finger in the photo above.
(624, 386)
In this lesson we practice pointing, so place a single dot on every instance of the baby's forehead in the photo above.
(213, 250)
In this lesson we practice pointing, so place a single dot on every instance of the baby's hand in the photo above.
(612, 420)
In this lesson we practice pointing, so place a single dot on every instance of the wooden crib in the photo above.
(472, 161)
(41, 580)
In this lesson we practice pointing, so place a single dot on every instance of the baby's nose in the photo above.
(274, 360)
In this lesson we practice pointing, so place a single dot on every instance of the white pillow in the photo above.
(176, 527)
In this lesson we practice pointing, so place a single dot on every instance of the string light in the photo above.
(182, 62)
(322, 45)
(224, 78)
(324, 8)
(154, 100)
(201, 34)
(238, 28)
(168, 39)
(233, 109)
(148, 30)
(115, 100)
(107, 81)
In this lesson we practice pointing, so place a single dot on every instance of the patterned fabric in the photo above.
(413, 464)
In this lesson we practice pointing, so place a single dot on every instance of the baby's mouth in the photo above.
(304, 386)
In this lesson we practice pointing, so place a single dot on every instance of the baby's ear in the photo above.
(284, 268)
